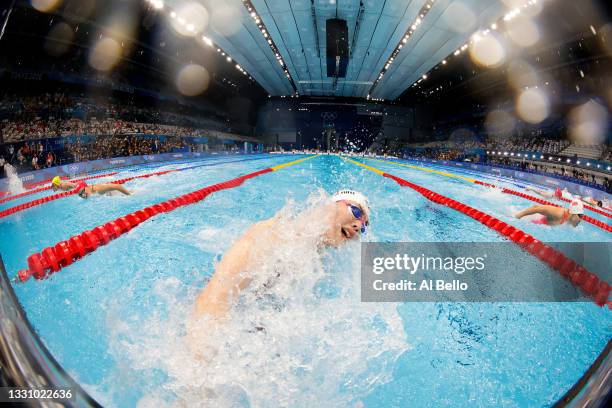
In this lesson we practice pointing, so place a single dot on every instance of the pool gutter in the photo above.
(25, 362)
(594, 389)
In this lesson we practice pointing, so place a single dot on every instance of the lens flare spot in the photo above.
(59, 39)
(189, 19)
(46, 6)
(523, 31)
(588, 123)
(522, 75)
(105, 54)
(532, 105)
(500, 123)
(192, 80)
(459, 18)
(487, 51)
(226, 20)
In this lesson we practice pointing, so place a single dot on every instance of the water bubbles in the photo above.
(192, 80)
(105, 54)
(532, 105)
(487, 51)
(459, 18)
(588, 123)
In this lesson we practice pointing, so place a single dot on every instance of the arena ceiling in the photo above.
(376, 27)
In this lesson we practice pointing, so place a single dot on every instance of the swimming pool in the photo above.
(116, 319)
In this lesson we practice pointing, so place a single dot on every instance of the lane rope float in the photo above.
(51, 259)
(586, 218)
(589, 283)
(12, 210)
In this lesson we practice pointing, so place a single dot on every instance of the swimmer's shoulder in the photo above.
(263, 227)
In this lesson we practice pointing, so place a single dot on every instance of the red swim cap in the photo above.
(558, 193)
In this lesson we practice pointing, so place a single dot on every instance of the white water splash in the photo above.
(298, 335)
(15, 186)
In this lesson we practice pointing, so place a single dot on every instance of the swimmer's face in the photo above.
(54, 187)
(85, 193)
(575, 219)
(343, 225)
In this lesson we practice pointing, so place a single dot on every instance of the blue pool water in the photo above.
(116, 320)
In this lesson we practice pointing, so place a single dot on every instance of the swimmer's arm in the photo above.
(227, 281)
(536, 209)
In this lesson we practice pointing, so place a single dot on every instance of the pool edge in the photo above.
(25, 361)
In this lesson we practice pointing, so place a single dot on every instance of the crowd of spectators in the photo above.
(104, 147)
(54, 115)
(530, 144)
(15, 131)
(31, 128)
(35, 155)
(570, 173)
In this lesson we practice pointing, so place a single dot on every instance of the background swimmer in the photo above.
(86, 191)
(558, 193)
(552, 215)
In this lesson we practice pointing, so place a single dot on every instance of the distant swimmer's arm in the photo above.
(543, 193)
(536, 209)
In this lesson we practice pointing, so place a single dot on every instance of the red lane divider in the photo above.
(514, 192)
(43, 200)
(64, 253)
(46, 199)
(38, 190)
(578, 275)
(586, 218)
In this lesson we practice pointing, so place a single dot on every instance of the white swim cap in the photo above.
(354, 196)
(576, 207)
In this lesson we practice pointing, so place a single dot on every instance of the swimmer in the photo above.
(343, 218)
(85, 191)
(58, 184)
(558, 193)
(591, 201)
(553, 216)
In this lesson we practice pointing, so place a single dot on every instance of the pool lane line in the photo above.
(586, 218)
(41, 189)
(24, 206)
(505, 189)
(64, 253)
(31, 190)
(594, 287)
